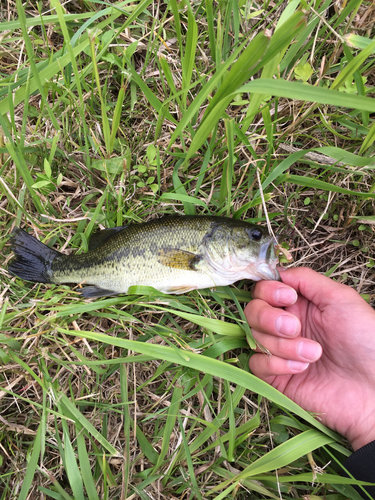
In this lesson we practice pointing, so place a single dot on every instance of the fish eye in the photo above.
(256, 234)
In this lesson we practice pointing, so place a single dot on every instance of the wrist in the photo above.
(362, 435)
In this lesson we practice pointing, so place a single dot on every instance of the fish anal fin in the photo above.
(90, 292)
(97, 239)
(178, 259)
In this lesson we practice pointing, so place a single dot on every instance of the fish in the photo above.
(171, 254)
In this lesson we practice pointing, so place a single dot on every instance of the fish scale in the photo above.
(172, 254)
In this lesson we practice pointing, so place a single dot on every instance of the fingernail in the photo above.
(287, 325)
(297, 366)
(310, 351)
(286, 296)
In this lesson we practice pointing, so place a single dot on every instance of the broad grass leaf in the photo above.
(185, 198)
(337, 153)
(241, 70)
(345, 156)
(325, 186)
(207, 365)
(308, 477)
(288, 27)
(215, 325)
(360, 42)
(284, 454)
(305, 92)
(82, 420)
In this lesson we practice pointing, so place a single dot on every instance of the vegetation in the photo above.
(121, 111)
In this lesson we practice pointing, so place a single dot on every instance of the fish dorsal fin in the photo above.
(178, 259)
(97, 239)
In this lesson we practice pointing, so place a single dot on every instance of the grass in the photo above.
(114, 113)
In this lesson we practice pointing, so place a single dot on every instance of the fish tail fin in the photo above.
(33, 259)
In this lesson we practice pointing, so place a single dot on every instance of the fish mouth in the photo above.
(266, 269)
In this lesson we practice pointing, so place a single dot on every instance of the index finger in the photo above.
(277, 294)
(317, 288)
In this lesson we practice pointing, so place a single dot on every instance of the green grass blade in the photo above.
(177, 23)
(359, 84)
(150, 96)
(59, 11)
(30, 53)
(31, 466)
(369, 139)
(208, 365)
(305, 92)
(72, 470)
(216, 425)
(228, 168)
(189, 55)
(85, 468)
(44, 75)
(170, 423)
(283, 455)
(353, 66)
(189, 461)
(127, 428)
(359, 42)
(216, 325)
(241, 70)
(249, 62)
(302, 38)
(184, 198)
(211, 28)
(146, 447)
(325, 186)
(231, 421)
(287, 29)
(79, 418)
(41, 20)
(341, 155)
(105, 121)
(168, 76)
(207, 88)
(21, 166)
(179, 188)
(59, 62)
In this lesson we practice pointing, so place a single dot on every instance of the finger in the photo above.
(297, 349)
(269, 367)
(319, 289)
(265, 318)
(275, 293)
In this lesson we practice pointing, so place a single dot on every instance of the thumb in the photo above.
(319, 289)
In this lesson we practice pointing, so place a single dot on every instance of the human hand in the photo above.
(322, 345)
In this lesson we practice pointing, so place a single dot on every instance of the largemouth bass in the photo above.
(171, 254)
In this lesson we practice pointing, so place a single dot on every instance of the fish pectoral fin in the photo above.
(90, 292)
(97, 239)
(178, 259)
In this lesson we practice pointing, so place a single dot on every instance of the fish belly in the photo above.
(119, 276)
